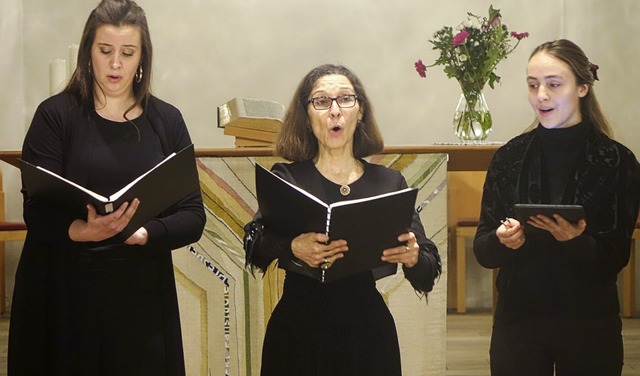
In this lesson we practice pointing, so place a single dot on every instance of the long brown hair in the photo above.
(572, 55)
(296, 141)
(117, 13)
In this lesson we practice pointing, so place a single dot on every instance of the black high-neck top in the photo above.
(561, 148)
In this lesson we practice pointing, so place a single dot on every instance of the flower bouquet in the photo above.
(470, 53)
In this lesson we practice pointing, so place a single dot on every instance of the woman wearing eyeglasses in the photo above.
(343, 327)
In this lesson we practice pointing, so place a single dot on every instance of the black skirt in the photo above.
(341, 328)
(98, 312)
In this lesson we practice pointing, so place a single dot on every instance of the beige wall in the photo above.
(207, 52)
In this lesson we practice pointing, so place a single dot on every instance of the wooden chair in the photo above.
(464, 189)
(12, 231)
(465, 231)
(9, 231)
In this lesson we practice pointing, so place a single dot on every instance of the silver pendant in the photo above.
(345, 190)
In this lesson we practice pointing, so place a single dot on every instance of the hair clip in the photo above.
(594, 70)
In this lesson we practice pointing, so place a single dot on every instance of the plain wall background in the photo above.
(207, 52)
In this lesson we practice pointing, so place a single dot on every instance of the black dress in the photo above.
(99, 308)
(344, 327)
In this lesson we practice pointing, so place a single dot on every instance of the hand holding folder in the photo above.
(160, 187)
(369, 225)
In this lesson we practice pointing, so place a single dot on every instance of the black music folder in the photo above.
(168, 182)
(369, 225)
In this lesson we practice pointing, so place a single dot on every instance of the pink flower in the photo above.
(495, 21)
(460, 38)
(421, 68)
(519, 36)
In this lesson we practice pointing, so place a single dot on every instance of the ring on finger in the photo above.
(406, 248)
(325, 264)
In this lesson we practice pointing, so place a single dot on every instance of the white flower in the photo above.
(463, 57)
(472, 22)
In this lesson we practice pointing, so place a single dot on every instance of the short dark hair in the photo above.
(116, 13)
(572, 55)
(296, 141)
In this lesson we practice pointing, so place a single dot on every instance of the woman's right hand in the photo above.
(100, 227)
(312, 248)
(511, 234)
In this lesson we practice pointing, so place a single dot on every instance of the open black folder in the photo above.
(369, 225)
(157, 189)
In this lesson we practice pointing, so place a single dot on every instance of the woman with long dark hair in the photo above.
(87, 302)
(344, 327)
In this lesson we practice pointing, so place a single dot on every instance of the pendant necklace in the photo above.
(345, 190)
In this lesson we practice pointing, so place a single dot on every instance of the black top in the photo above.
(547, 278)
(119, 153)
(561, 149)
(375, 180)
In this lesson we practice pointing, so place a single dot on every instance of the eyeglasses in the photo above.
(324, 103)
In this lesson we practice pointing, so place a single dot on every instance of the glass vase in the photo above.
(472, 119)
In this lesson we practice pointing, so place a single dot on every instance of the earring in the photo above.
(89, 67)
(139, 74)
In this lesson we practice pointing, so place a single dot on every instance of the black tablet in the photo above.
(572, 213)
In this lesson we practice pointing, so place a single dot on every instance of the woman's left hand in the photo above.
(100, 227)
(407, 254)
(560, 228)
(139, 237)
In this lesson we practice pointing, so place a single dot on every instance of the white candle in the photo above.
(73, 59)
(57, 75)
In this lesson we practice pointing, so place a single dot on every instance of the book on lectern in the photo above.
(248, 113)
(369, 225)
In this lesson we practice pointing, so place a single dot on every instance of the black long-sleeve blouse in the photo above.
(268, 246)
(545, 277)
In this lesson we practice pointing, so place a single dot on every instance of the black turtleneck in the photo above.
(560, 150)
